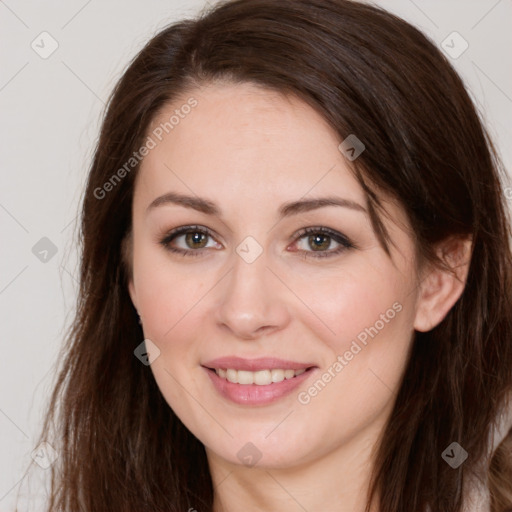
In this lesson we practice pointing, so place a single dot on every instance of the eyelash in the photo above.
(344, 242)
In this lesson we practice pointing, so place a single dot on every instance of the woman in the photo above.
(299, 200)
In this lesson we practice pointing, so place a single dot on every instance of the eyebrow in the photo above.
(287, 209)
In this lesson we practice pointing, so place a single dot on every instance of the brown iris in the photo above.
(315, 239)
(195, 237)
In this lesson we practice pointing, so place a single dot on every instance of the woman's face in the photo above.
(253, 286)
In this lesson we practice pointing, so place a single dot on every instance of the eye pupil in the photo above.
(314, 239)
(195, 237)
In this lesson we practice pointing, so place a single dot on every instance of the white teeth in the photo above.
(260, 378)
(277, 375)
(288, 374)
(245, 377)
(232, 376)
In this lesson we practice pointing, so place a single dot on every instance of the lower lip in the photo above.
(252, 394)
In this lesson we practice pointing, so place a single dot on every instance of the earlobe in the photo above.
(441, 289)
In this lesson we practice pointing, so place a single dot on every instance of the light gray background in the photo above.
(51, 109)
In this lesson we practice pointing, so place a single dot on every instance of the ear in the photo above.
(127, 260)
(131, 291)
(440, 289)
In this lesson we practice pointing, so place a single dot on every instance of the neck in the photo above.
(336, 481)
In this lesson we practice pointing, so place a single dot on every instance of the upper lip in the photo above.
(254, 365)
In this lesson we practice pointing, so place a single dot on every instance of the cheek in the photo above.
(167, 300)
(364, 320)
(366, 352)
(361, 303)
(169, 303)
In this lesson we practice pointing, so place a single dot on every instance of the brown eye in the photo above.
(320, 240)
(196, 239)
(189, 240)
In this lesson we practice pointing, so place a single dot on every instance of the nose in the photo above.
(253, 300)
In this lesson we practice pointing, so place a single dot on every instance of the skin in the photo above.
(250, 150)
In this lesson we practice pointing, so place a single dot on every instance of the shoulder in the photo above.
(476, 491)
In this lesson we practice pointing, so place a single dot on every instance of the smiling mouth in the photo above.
(259, 378)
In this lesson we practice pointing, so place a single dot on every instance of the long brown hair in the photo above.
(367, 72)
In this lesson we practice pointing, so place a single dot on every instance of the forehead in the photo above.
(245, 134)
